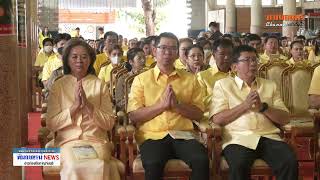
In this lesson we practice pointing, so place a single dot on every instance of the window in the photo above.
(245, 2)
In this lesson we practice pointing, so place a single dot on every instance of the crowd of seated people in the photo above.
(211, 79)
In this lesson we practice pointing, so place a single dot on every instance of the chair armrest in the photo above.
(217, 146)
(131, 145)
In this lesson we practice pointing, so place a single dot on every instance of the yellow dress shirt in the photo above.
(264, 58)
(313, 58)
(147, 89)
(149, 60)
(104, 73)
(249, 127)
(304, 62)
(53, 63)
(42, 58)
(178, 64)
(100, 59)
(315, 85)
(83, 126)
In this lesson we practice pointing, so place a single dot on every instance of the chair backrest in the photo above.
(113, 73)
(272, 71)
(295, 85)
(127, 87)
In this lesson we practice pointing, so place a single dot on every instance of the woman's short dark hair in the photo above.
(47, 40)
(296, 42)
(242, 48)
(66, 53)
(133, 52)
(115, 47)
(192, 47)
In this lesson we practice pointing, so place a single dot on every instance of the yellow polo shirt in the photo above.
(178, 64)
(249, 127)
(147, 89)
(315, 85)
(42, 58)
(53, 63)
(104, 73)
(264, 58)
(149, 60)
(208, 77)
(100, 59)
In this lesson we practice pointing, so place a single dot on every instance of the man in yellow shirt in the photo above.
(110, 39)
(254, 41)
(181, 62)
(163, 101)
(248, 108)
(314, 90)
(222, 50)
(45, 53)
(55, 62)
(271, 53)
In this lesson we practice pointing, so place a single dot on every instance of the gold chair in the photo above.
(272, 70)
(295, 85)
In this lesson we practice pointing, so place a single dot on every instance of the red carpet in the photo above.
(33, 173)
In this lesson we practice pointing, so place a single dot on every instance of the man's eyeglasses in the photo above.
(247, 60)
(167, 48)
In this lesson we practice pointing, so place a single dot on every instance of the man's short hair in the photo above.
(242, 48)
(271, 37)
(213, 24)
(61, 36)
(223, 43)
(100, 28)
(183, 40)
(301, 37)
(47, 40)
(78, 28)
(110, 33)
(166, 35)
(252, 37)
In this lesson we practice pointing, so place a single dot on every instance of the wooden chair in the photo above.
(295, 85)
(175, 168)
(36, 89)
(113, 73)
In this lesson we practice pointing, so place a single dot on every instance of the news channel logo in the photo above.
(36, 156)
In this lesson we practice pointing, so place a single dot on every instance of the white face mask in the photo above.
(48, 49)
(55, 50)
(115, 60)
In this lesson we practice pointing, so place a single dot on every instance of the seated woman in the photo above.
(298, 54)
(80, 114)
(314, 55)
(115, 54)
(195, 59)
(136, 59)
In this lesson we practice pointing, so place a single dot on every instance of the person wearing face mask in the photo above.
(298, 54)
(115, 54)
(55, 62)
(136, 59)
(45, 53)
(110, 39)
